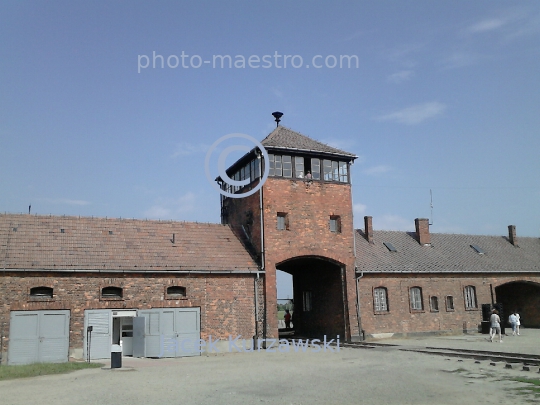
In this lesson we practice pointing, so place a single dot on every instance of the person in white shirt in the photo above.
(518, 322)
(495, 322)
(513, 322)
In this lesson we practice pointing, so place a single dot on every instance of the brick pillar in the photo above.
(422, 231)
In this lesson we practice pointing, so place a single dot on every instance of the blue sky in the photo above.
(445, 97)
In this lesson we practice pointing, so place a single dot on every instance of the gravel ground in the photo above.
(370, 376)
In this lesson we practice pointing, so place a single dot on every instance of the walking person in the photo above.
(287, 318)
(518, 322)
(513, 322)
(495, 323)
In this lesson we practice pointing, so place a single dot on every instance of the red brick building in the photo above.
(77, 285)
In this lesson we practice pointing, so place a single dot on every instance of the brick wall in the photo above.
(226, 301)
(309, 207)
(401, 319)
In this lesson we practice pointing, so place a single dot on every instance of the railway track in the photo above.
(512, 360)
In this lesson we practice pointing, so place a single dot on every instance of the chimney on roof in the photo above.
(422, 231)
(368, 228)
(512, 237)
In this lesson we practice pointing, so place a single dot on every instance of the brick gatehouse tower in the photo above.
(299, 222)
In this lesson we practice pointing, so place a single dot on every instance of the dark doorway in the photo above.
(318, 297)
(523, 297)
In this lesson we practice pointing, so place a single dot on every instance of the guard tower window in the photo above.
(287, 166)
(335, 171)
(282, 221)
(41, 292)
(112, 292)
(299, 167)
(315, 169)
(335, 223)
(327, 170)
(343, 172)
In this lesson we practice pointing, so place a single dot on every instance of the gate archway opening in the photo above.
(523, 297)
(317, 295)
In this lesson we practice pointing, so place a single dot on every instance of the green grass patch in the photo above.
(533, 388)
(33, 370)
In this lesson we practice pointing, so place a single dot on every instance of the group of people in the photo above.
(495, 324)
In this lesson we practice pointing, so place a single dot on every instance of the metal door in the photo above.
(188, 331)
(171, 332)
(38, 337)
(139, 323)
(101, 335)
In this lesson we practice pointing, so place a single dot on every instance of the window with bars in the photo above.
(380, 299)
(416, 298)
(470, 297)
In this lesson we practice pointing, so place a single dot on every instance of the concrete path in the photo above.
(383, 375)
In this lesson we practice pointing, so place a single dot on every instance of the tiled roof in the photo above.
(448, 253)
(286, 138)
(38, 242)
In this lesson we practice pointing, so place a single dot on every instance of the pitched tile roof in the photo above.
(38, 242)
(448, 253)
(285, 138)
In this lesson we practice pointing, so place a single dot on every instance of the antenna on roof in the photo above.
(29, 209)
(431, 205)
(277, 115)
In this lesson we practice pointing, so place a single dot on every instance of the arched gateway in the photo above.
(300, 222)
(319, 296)
(521, 296)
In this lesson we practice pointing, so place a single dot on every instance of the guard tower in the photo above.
(300, 222)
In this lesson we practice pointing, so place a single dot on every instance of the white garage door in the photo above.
(38, 337)
(169, 332)
(100, 339)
